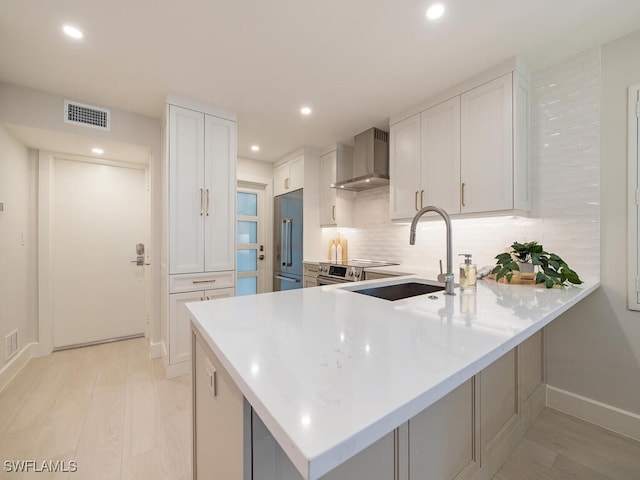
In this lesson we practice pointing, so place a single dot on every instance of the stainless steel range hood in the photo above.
(370, 162)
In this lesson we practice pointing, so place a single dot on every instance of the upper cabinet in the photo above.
(467, 154)
(289, 176)
(425, 161)
(202, 154)
(336, 205)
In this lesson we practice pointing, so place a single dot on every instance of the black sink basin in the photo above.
(400, 290)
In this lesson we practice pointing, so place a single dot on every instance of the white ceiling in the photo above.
(355, 62)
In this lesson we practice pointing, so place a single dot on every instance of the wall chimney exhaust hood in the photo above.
(370, 163)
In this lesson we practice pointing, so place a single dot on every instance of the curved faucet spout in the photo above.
(447, 278)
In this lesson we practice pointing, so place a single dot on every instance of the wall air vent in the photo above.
(87, 115)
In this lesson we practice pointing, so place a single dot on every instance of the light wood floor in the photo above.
(108, 407)
(559, 447)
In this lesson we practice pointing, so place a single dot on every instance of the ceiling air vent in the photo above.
(87, 115)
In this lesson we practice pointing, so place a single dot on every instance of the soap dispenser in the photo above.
(468, 274)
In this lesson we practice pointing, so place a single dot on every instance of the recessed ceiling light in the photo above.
(73, 32)
(435, 11)
(97, 150)
(255, 148)
(305, 110)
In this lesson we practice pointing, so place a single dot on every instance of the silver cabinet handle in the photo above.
(421, 198)
(203, 281)
(333, 212)
(462, 194)
(415, 201)
(201, 202)
(207, 202)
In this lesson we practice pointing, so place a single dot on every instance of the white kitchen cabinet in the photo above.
(289, 176)
(179, 339)
(404, 168)
(425, 161)
(198, 254)
(487, 147)
(336, 206)
(201, 191)
(468, 154)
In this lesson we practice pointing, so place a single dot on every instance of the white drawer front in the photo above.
(200, 281)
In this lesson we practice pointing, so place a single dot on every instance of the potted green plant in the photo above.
(522, 257)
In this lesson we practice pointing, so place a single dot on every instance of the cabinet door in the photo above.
(404, 168)
(486, 147)
(186, 190)
(328, 194)
(219, 196)
(179, 328)
(443, 438)
(440, 151)
(218, 425)
(296, 173)
(280, 179)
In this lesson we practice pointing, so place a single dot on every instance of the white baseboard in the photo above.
(178, 369)
(17, 363)
(155, 349)
(606, 416)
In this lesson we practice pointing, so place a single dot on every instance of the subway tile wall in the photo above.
(565, 174)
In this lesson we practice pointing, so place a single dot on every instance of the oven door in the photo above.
(322, 280)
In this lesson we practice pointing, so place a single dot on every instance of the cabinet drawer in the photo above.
(310, 269)
(200, 281)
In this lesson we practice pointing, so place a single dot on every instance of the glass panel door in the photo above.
(249, 241)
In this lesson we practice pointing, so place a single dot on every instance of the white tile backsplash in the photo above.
(565, 174)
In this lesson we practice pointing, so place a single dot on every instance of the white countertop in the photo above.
(330, 371)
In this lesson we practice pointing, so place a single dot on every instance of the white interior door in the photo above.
(98, 215)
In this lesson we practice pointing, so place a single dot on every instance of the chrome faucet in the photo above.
(447, 278)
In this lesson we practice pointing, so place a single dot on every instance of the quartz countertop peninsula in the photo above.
(330, 371)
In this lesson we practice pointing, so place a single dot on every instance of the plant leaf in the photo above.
(540, 277)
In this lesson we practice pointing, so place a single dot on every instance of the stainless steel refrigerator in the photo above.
(287, 265)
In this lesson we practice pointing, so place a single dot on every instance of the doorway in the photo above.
(98, 228)
(250, 239)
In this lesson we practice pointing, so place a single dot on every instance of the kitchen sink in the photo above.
(399, 291)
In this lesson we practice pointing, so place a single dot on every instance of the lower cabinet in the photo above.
(441, 439)
(218, 418)
(184, 289)
(466, 435)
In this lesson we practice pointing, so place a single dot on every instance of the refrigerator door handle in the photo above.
(290, 242)
(286, 279)
(283, 238)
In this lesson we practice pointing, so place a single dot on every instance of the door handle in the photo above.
(290, 242)
(283, 238)
(207, 202)
(139, 261)
(421, 198)
(462, 194)
(260, 257)
(415, 201)
(333, 212)
(201, 202)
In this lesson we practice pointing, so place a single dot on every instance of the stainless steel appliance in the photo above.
(349, 271)
(369, 166)
(287, 265)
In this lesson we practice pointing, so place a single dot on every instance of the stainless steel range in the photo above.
(348, 271)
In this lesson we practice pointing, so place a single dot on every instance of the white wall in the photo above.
(18, 243)
(37, 109)
(594, 349)
(253, 170)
